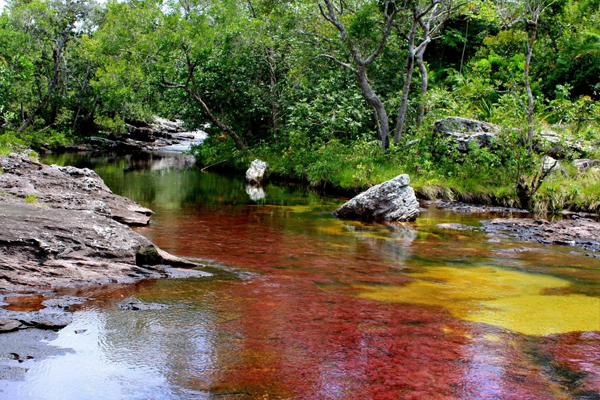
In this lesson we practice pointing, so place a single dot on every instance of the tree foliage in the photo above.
(299, 77)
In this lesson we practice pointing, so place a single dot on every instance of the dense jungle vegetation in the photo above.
(336, 93)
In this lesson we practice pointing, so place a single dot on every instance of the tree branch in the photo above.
(386, 32)
(350, 67)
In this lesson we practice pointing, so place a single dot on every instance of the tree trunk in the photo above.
(530, 103)
(404, 98)
(424, 85)
(273, 90)
(381, 116)
(57, 56)
(238, 141)
(410, 67)
(195, 93)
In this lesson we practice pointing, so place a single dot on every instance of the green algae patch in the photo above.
(509, 299)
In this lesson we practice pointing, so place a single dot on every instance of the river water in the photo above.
(303, 306)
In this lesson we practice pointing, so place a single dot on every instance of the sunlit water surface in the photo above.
(304, 306)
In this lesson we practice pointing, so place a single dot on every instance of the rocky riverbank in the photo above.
(578, 232)
(158, 135)
(62, 227)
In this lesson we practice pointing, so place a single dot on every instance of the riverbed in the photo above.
(301, 305)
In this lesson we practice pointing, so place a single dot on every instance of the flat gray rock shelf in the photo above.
(79, 189)
(62, 227)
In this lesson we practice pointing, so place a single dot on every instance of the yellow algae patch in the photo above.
(509, 299)
(542, 315)
(344, 246)
(337, 230)
(492, 338)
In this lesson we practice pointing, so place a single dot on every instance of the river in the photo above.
(301, 305)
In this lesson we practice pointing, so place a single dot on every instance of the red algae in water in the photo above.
(303, 334)
(295, 328)
(327, 345)
(576, 356)
(24, 302)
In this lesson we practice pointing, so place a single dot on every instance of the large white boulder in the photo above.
(392, 200)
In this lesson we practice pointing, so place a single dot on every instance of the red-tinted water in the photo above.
(301, 331)
(303, 306)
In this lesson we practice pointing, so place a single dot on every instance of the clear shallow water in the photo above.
(303, 306)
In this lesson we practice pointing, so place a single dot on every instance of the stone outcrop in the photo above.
(61, 226)
(63, 248)
(23, 180)
(393, 200)
(165, 126)
(464, 208)
(583, 164)
(464, 131)
(139, 136)
(578, 232)
(257, 172)
(550, 164)
(559, 147)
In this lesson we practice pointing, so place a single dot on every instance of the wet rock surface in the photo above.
(54, 315)
(455, 226)
(63, 227)
(136, 305)
(465, 208)
(63, 248)
(19, 349)
(583, 233)
(392, 200)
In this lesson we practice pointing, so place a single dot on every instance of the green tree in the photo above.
(363, 43)
(47, 29)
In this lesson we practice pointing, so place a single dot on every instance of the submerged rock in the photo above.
(459, 207)
(455, 226)
(257, 172)
(22, 346)
(392, 200)
(136, 305)
(464, 131)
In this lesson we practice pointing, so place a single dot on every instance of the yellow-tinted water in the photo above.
(510, 299)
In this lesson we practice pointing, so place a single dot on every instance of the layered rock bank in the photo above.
(62, 227)
(578, 232)
(24, 181)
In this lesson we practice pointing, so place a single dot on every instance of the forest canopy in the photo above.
(331, 91)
